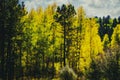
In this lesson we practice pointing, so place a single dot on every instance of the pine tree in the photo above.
(10, 15)
(63, 16)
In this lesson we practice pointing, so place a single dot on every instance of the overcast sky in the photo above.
(92, 7)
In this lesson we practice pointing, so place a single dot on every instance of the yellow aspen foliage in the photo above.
(116, 37)
(91, 44)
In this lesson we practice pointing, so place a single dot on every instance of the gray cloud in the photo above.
(102, 7)
(92, 7)
(104, 3)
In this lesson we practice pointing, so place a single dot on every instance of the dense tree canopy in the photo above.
(39, 43)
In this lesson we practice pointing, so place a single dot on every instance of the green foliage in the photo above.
(95, 72)
(107, 25)
(106, 42)
(106, 68)
(112, 68)
(10, 16)
(64, 16)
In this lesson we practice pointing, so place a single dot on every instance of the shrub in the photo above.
(67, 74)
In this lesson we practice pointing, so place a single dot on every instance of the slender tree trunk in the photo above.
(64, 45)
(61, 59)
(21, 69)
(2, 57)
(2, 40)
(53, 60)
(43, 64)
(10, 61)
(27, 63)
(91, 55)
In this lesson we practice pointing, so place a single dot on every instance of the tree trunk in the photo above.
(10, 61)
(64, 46)
(2, 57)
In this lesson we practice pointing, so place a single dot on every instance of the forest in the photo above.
(57, 43)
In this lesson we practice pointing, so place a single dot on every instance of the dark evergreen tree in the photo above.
(9, 18)
(119, 20)
(106, 26)
(63, 16)
(114, 24)
(94, 72)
